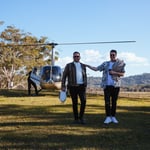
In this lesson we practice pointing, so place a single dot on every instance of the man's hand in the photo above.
(63, 89)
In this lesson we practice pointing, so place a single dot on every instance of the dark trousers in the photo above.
(76, 91)
(111, 96)
(30, 82)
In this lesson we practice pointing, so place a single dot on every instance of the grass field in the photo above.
(43, 123)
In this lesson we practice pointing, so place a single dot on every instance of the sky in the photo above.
(77, 21)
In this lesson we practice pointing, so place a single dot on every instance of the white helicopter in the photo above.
(49, 77)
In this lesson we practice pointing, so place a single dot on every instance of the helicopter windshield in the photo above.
(55, 75)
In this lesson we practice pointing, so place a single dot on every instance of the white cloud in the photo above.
(63, 61)
(133, 59)
(91, 56)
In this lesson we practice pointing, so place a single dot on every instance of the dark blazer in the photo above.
(69, 74)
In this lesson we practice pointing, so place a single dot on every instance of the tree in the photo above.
(19, 50)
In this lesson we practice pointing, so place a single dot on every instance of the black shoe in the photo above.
(76, 122)
(39, 91)
(82, 121)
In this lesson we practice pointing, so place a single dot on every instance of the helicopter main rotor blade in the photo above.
(55, 44)
(97, 42)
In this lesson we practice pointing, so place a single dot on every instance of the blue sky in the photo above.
(64, 21)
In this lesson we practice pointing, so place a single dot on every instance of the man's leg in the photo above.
(35, 87)
(29, 87)
(107, 93)
(74, 97)
(115, 94)
(82, 96)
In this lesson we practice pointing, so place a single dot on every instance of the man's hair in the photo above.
(113, 51)
(76, 53)
(35, 68)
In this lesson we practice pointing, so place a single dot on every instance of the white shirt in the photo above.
(110, 80)
(79, 76)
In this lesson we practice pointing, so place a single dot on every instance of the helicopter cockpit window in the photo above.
(54, 71)
(46, 74)
(55, 75)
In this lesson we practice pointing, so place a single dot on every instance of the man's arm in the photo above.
(64, 76)
(116, 73)
(91, 67)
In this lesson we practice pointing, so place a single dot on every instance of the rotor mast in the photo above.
(52, 60)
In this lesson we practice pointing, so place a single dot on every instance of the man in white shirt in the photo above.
(75, 73)
(111, 82)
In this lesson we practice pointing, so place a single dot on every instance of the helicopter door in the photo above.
(35, 76)
(46, 74)
(56, 74)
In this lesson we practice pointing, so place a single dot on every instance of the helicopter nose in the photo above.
(50, 81)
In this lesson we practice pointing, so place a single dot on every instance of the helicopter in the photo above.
(52, 72)
(49, 76)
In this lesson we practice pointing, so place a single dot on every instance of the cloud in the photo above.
(96, 58)
(63, 61)
(133, 59)
(91, 56)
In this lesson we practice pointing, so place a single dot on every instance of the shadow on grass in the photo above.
(50, 127)
(23, 93)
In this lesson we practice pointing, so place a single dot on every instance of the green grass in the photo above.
(42, 122)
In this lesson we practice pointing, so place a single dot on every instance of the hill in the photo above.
(143, 79)
(136, 82)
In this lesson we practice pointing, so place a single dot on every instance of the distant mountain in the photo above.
(135, 80)
(143, 79)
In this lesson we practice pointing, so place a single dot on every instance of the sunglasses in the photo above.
(112, 55)
(76, 56)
